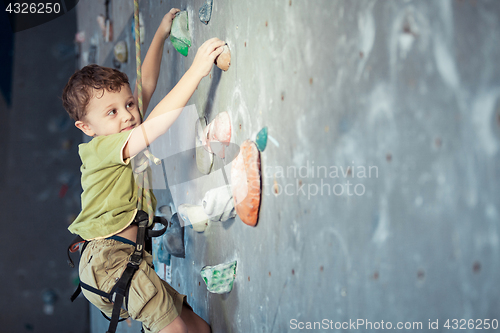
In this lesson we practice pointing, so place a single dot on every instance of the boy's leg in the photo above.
(188, 322)
(176, 326)
(194, 322)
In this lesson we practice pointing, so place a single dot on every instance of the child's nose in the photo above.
(127, 115)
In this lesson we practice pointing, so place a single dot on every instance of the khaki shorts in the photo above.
(151, 300)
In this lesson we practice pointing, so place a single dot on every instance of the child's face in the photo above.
(111, 113)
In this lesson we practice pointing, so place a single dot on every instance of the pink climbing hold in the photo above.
(246, 183)
(217, 134)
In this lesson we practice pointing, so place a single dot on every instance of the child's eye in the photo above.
(129, 105)
(112, 112)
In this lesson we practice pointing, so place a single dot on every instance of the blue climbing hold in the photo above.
(206, 11)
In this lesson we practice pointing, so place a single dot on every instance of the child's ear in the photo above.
(84, 127)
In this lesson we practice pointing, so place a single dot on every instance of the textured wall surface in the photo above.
(380, 197)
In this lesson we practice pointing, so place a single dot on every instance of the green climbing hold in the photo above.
(261, 139)
(179, 33)
(220, 278)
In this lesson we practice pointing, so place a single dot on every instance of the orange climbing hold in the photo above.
(245, 179)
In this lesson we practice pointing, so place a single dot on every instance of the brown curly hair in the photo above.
(81, 85)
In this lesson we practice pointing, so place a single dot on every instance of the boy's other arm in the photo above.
(152, 62)
(170, 107)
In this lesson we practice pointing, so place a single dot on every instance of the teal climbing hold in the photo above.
(220, 278)
(179, 33)
(261, 139)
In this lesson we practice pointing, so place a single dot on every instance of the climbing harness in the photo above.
(119, 292)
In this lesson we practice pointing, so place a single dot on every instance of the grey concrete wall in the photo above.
(381, 199)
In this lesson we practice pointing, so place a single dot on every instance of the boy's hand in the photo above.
(166, 23)
(205, 57)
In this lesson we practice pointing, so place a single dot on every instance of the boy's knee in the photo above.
(194, 322)
(176, 326)
(202, 327)
(207, 329)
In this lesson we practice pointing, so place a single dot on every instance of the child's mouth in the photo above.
(128, 128)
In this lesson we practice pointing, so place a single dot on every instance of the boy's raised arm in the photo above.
(168, 110)
(152, 62)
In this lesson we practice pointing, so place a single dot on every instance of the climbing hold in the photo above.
(223, 60)
(222, 128)
(218, 204)
(142, 29)
(174, 238)
(220, 278)
(49, 298)
(120, 50)
(80, 37)
(106, 28)
(261, 139)
(193, 215)
(205, 11)
(179, 33)
(204, 157)
(166, 212)
(217, 134)
(245, 178)
(161, 255)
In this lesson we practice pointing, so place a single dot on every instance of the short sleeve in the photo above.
(105, 150)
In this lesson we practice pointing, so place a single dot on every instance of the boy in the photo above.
(103, 106)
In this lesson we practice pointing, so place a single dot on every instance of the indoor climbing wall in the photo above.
(380, 179)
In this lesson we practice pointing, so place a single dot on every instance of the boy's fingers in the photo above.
(214, 41)
(217, 52)
(210, 45)
(220, 47)
(215, 44)
(207, 44)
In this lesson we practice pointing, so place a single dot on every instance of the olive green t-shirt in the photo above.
(110, 192)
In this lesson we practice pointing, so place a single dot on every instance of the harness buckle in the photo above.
(135, 259)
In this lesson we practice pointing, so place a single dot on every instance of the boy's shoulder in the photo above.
(104, 147)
